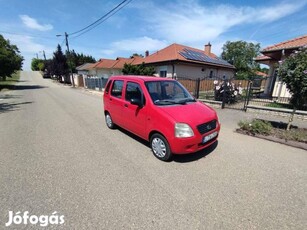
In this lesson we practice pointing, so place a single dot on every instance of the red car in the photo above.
(161, 111)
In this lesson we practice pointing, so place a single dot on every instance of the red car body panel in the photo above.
(151, 118)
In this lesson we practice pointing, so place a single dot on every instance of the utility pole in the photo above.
(44, 55)
(69, 60)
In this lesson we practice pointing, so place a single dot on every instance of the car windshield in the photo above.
(168, 93)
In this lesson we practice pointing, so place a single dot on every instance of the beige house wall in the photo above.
(194, 72)
(105, 73)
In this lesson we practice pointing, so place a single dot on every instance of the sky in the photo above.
(142, 25)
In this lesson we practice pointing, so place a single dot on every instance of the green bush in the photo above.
(256, 127)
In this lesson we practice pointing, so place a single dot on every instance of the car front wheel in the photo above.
(160, 147)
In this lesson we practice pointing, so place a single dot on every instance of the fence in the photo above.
(234, 93)
(95, 82)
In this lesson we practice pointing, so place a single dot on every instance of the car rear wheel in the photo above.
(160, 147)
(109, 121)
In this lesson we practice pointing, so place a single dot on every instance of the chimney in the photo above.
(208, 49)
(146, 53)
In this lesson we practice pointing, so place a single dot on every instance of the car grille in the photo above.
(206, 127)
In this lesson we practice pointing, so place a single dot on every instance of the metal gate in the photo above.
(234, 94)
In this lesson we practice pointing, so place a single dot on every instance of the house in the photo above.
(83, 69)
(108, 67)
(176, 61)
(273, 56)
(261, 74)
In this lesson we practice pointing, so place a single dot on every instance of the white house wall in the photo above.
(106, 73)
(194, 71)
(280, 90)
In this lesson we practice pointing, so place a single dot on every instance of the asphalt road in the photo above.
(56, 154)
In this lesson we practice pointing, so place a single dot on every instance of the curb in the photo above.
(295, 144)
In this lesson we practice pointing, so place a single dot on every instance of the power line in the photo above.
(110, 15)
(103, 18)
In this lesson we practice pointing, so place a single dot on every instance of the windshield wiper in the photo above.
(172, 102)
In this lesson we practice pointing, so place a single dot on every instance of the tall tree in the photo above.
(10, 58)
(241, 54)
(59, 66)
(76, 59)
(293, 72)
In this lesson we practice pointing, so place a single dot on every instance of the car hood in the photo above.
(190, 113)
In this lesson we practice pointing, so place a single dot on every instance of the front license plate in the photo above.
(209, 137)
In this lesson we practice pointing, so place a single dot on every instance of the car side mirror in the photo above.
(136, 101)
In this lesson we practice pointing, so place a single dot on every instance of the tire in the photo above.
(109, 121)
(160, 147)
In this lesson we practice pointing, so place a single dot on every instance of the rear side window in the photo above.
(108, 86)
(117, 88)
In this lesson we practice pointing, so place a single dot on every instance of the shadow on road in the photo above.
(8, 107)
(185, 158)
(28, 87)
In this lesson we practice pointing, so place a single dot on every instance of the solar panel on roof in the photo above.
(199, 56)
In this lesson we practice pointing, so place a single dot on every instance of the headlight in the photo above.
(183, 130)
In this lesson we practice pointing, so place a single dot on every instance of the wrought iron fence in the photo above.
(235, 93)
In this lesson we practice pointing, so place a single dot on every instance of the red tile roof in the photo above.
(293, 43)
(118, 63)
(261, 74)
(104, 64)
(262, 58)
(172, 53)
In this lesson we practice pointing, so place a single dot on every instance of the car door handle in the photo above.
(126, 105)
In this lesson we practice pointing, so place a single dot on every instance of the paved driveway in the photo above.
(57, 154)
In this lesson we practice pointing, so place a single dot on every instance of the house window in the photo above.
(163, 73)
(211, 74)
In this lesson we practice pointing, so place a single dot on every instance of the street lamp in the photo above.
(70, 65)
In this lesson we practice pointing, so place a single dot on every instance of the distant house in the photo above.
(177, 61)
(108, 67)
(272, 56)
(261, 74)
(83, 69)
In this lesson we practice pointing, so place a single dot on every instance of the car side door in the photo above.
(135, 109)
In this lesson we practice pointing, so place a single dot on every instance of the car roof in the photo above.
(139, 77)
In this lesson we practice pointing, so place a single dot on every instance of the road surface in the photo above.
(56, 154)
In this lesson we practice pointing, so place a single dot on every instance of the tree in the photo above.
(138, 70)
(76, 59)
(59, 66)
(10, 58)
(293, 72)
(136, 55)
(37, 64)
(241, 54)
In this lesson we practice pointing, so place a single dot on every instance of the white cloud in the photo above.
(25, 43)
(33, 24)
(29, 48)
(139, 45)
(190, 21)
